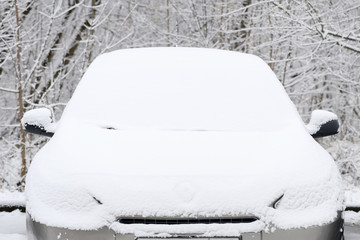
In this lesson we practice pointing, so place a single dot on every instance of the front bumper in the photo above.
(332, 231)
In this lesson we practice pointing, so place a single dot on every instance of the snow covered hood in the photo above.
(179, 132)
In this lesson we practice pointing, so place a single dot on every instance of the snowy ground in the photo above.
(12, 227)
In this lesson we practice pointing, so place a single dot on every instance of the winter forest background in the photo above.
(46, 46)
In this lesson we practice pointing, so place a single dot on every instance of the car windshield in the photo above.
(182, 89)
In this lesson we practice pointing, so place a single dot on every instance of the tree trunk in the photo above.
(168, 21)
(20, 96)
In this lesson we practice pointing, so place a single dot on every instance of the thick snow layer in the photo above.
(39, 117)
(12, 198)
(181, 132)
(182, 89)
(319, 118)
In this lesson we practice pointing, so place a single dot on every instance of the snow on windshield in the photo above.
(182, 88)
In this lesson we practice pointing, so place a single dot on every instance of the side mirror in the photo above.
(39, 121)
(323, 123)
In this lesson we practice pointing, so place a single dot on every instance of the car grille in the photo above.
(186, 220)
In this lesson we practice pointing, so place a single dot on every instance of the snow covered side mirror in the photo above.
(39, 121)
(323, 123)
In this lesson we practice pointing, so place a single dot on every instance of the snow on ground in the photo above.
(12, 225)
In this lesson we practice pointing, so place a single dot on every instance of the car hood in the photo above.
(89, 182)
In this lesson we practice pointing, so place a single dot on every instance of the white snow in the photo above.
(352, 199)
(181, 132)
(39, 117)
(318, 118)
(206, 230)
(352, 196)
(11, 198)
(12, 225)
(352, 218)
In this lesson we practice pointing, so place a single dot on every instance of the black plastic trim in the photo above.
(37, 130)
(12, 208)
(328, 129)
(186, 220)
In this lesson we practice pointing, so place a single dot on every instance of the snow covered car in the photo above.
(185, 143)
